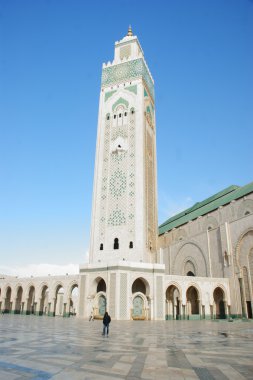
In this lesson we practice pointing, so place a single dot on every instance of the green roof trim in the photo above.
(208, 205)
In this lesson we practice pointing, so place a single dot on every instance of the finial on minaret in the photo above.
(130, 32)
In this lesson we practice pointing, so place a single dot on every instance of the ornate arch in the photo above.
(193, 261)
(176, 285)
(27, 289)
(190, 242)
(40, 288)
(197, 287)
(222, 287)
(56, 286)
(145, 281)
(73, 284)
(8, 285)
(237, 249)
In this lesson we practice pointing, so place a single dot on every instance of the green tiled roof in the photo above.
(210, 204)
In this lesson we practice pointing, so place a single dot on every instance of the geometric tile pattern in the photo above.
(71, 348)
(126, 71)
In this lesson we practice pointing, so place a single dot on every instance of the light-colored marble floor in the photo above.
(70, 349)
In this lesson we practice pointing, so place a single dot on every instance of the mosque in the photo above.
(197, 265)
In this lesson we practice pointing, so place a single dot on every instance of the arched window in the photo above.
(108, 117)
(101, 247)
(116, 243)
(131, 245)
(190, 273)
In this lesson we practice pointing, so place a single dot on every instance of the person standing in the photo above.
(106, 322)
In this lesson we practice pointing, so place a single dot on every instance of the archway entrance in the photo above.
(101, 305)
(73, 301)
(192, 303)
(7, 304)
(219, 305)
(140, 309)
(59, 308)
(173, 303)
(18, 304)
(30, 303)
(44, 301)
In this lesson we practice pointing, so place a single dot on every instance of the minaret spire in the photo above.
(130, 32)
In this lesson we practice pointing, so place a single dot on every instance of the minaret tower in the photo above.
(124, 213)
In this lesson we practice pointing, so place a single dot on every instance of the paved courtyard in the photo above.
(69, 348)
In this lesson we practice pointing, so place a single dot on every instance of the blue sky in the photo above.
(51, 54)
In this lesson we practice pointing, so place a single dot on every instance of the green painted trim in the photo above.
(105, 269)
(50, 314)
(108, 94)
(194, 317)
(120, 101)
(132, 89)
(66, 315)
(145, 93)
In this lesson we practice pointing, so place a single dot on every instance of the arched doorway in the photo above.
(18, 304)
(73, 300)
(59, 301)
(192, 303)
(7, 304)
(44, 301)
(173, 303)
(101, 305)
(140, 307)
(30, 309)
(219, 305)
(101, 286)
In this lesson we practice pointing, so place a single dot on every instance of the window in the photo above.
(131, 244)
(132, 112)
(120, 115)
(108, 117)
(247, 213)
(114, 116)
(101, 247)
(116, 243)
(125, 113)
(190, 273)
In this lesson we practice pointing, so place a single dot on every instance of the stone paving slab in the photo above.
(41, 348)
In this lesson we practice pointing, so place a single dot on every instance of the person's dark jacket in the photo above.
(106, 320)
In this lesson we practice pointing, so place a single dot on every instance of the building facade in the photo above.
(200, 263)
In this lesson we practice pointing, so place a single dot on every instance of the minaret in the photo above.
(124, 213)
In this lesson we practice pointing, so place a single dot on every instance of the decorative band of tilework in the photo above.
(127, 71)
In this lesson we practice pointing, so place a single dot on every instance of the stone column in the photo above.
(25, 306)
(151, 308)
(180, 309)
(200, 308)
(226, 309)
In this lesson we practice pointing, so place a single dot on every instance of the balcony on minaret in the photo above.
(128, 48)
